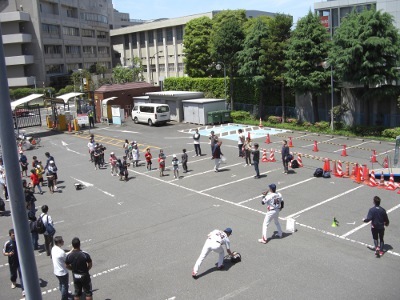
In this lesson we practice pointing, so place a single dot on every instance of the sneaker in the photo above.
(13, 285)
(377, 252)
(194, 274)
(262, 241)
(245, 165)
(221, 267)
(381, 253)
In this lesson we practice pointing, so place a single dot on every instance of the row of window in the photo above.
(141, 36)
(59, 68)
(73, 31)
(171, 67)
(75, 49)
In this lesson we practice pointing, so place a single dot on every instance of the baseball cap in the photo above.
(51, 162)
(272, 187)
(112, 153)
(20, 152)
(174, 155)
(228, 230)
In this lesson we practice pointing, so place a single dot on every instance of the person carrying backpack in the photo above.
(49, 233)
(285, 154)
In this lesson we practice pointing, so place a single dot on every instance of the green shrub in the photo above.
(367, 130)
(391, 132)
(240, 115)
(291, 121)
(306, 124)
(274, 120)
(323, 125)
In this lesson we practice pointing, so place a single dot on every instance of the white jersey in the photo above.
(220, 237)
(273, 201)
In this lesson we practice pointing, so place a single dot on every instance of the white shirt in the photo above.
(241, 139)
(220, 237)
(58, 256)
(273, 200)
(46, 218)
(196, 138)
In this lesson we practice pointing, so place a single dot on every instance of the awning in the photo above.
(68, 96)
(24, 100)
(104, 101)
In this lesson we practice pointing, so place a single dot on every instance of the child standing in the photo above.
(39, 172)
(161, 162)
(135, 155)
(113, 164)
(148, 157)
(184, 161)
(35, 181)
(175, 166)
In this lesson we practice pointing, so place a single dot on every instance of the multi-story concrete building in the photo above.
(45, 40)
(159, 44)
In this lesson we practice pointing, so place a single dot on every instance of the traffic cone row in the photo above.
(272, 155)
(299, 160)
(372, 180)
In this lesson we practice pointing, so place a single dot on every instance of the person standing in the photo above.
(216, 155)
(256, 160)
(135, 155)
(148, 158)
(96, 157)
(274, 203)
(285, 155)
(213, 140)
(80, 262)
(49, 159)
(215, 240)
(11, 251)
(58, 256)
(196, 143)
(379, 219)
(241, 140)
(48, 237)
(35, 181)
(161, 162)
(247, 151)
(91, 146)
(32, 227)
(184, 160)
(175, 166)
(113, 164)
(91, 118)
(23, 161)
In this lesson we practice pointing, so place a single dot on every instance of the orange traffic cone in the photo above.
(315, 149)
(372, 180)
(334, 170)
(299, 160)
(354, 172)
(373, 157)
(391, 186)
(260, 125)
(382, 181)
(358, 174)
(272, 155)
(365, 174)
(339, 172)
(69, 127)
(386, 162)
(346, 173)
(327, 165)
(268, 140)
(344, 151)
(264, 156)
(290, 142)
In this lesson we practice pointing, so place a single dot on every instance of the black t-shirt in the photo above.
(78, 261)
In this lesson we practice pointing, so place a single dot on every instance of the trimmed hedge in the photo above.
(391, 133)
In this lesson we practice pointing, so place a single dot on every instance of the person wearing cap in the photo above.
(213, 140)
(274, 203)
(216, 155)
(135, 155)
(285, 154)
(39, 172)
(113, 164)
(215, 240)
(161, 162)
(175, 166)
(256, 160)
(23, 161)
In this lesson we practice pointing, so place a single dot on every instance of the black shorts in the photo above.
(378, 233)
(24, 167)
(82, 282)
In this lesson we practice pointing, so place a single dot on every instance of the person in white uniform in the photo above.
(215, 240)
(274, 203)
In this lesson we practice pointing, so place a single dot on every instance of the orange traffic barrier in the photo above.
(272, 155)
(299, 160)
(344, 151)
(373, 157)
(315, 148)
(264, 156)
(290, 142)
(372, 180)
(391, 186)
(346, 173)
(268, 139)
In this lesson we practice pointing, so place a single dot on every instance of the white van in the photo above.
(151, 113)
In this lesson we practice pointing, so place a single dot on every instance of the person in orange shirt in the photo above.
(35, 181)
(148, 157)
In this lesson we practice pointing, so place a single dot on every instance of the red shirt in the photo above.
(34, 179)
(148, 156)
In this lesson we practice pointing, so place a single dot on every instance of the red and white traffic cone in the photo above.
(264, 156)
(315, 149)
(373, 157)
(339, 172)
(391, 186)
(382, 183)
(334, 170)
(290, 142)
(344, 151)
(372, 180)
(299, 160)
(268, 139)
(386, 162)
(347, 172)
(354, 172)
(272, 155)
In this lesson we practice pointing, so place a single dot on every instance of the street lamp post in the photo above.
(34, 82)
(326, 65)
(151, 66)
(218, 67)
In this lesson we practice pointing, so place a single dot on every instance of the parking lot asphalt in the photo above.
(145, 235)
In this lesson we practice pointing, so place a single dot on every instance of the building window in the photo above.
(134, 40)
(180, 67)
(73, 49)
(179, 33)
(52, 49)
(102, 35)
(72, 67)
(71, 31)
(54, 69)
(171, 67)
(89, 49)
(161, 67)
(103, 50)
(169, 34)
(94, 18)
(151, 37)
(126, 41)
(87, 33)
(159, 36)
(51, 29)
(69, 11)
(142, 38)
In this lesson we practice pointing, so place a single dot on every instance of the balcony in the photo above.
(21, 81)
(19, 60)
(17, 38)
(14, 16)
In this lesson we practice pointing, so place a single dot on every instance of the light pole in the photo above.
(218, 67)
(34, 81)
(151, 66)
(326, 65)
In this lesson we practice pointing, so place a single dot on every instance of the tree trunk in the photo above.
(314, 101)
(261, 102)
(283, 100)
(231, 87)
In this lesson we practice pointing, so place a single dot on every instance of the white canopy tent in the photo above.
(68, 96)
(24, 100)
(104, 101)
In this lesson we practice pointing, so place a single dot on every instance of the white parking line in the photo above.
(325, 201)
(365, 224)
(205, 172)
(352, 146)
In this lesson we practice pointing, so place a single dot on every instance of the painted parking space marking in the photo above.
(87, 184)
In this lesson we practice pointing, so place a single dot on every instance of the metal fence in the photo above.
(27, 117)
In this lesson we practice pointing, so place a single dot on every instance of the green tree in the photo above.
(122, 74)
(196, 47)
(307, 49)
(226, 41)
(251, 57)
(273, 60)
(77, 79)
(366, 50)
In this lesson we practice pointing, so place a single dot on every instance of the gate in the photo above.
(27, 117)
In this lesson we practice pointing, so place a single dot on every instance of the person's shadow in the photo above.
(227, 265)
